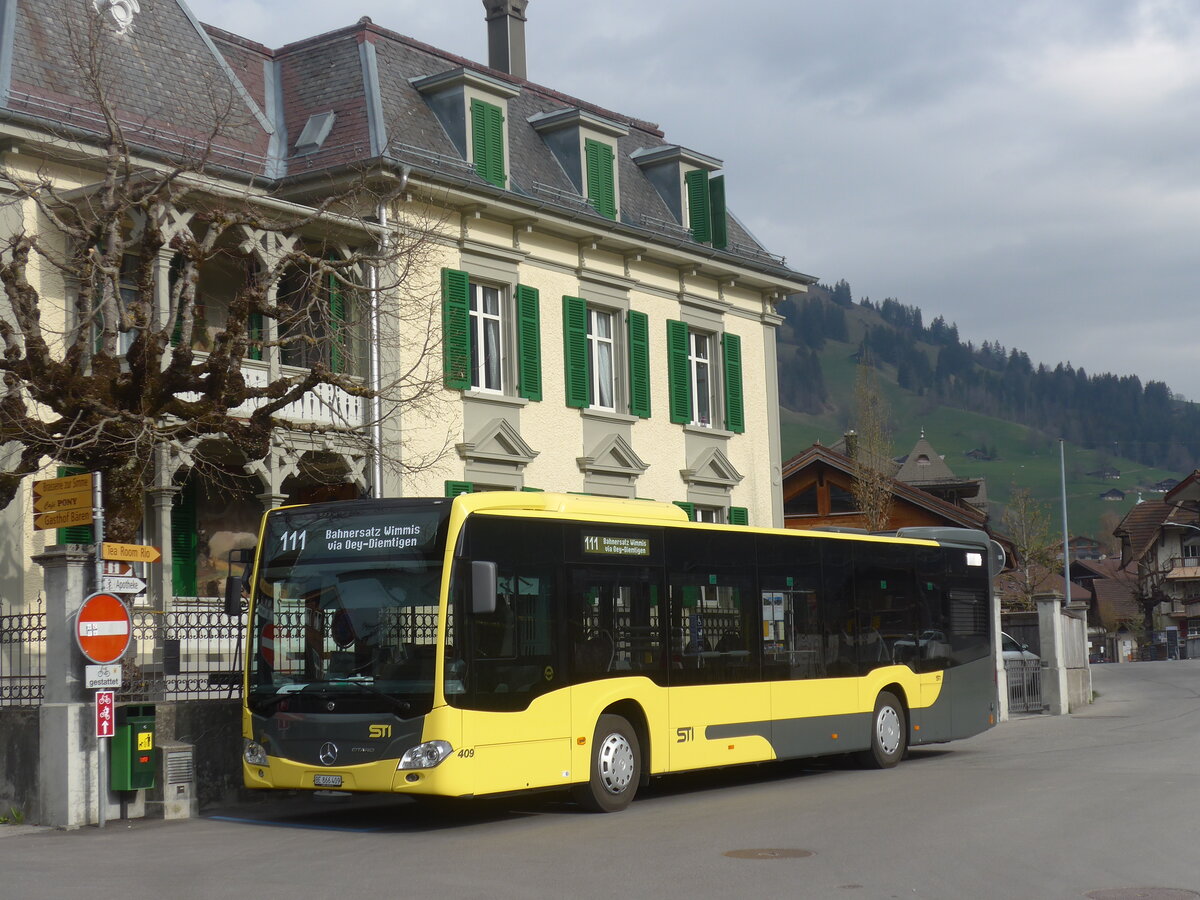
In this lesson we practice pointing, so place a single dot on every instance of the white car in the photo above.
(1010, 649)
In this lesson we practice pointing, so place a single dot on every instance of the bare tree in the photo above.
(872, 486)
(131, 305)
(1027, 524)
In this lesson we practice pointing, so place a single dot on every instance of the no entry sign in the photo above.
(103, 628)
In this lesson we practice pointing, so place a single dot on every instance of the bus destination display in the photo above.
(615, 545)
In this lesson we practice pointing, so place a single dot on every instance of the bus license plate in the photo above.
(327, 780)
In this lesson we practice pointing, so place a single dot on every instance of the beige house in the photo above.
(596, 318)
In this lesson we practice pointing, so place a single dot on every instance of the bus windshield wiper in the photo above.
(368, 688)
(291, 690)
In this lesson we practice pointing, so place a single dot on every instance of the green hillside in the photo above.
(1024, 457)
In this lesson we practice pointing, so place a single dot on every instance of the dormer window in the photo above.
(585, 145)
(473, 109)
(684, 180)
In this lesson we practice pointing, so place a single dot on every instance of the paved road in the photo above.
(1105, 800)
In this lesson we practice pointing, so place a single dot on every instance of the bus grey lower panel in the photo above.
(813, 736)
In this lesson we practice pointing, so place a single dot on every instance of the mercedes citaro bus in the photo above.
(512, 641)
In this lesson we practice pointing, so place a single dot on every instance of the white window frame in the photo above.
(597, 346)
(713, 514)
(703, 375)
(487, 375)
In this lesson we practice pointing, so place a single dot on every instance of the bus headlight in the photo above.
(253, 753)
(425, 756)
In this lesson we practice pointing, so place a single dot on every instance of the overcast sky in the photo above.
(1027, 170)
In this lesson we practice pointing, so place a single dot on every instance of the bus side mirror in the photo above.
(483, 587)
(237, 587)
(233, 596)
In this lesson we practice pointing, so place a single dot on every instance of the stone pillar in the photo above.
(67, 761)
(158, 530)
(1054, 670)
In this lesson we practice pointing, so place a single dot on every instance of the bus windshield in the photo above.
(346, 608)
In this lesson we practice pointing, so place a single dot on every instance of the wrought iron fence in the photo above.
(1024, 678)
(22, 659)
(191, 654)
(188, 654)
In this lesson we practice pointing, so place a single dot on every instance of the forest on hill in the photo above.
(1115, 414)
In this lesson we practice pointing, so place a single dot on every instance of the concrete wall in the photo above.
(19, 749)
(1075, 659)
(212, 727)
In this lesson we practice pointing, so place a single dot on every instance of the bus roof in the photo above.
(560, 505)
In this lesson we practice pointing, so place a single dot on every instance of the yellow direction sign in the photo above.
(63, 518)
(51, 502)
(62, 502)
(130, 552)
(72, 492)
(71, 484)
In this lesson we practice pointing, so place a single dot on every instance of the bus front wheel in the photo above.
(889, 734)
(616, 767)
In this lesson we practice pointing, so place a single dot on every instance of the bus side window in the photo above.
(933, 622)
(883, 598)
(790, 585)
(495, 631)
(715, 612)
(512, 654)
(839, 625)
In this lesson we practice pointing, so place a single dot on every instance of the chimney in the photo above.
(506, 35)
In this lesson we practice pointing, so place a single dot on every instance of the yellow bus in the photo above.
(511, 641)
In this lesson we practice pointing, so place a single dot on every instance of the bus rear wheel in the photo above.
(889, 734)
(616, 767)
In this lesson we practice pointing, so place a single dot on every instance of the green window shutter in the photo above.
(184, 541)
(533, 490)
(678, 372)
(735, 415)
(454, 488)
(699, 213)
(529, 343)
(456, 329)
(337, 325)
(601, 187)
(639, 364)
(254, 331)
(720, 219)
(76, 534)
(575, 361)
(739, 515)
(487, 141)
(689, 508)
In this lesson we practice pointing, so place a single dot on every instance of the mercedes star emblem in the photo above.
(328, 754)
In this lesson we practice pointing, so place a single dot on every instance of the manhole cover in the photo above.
(768, 853)
(1143, 893)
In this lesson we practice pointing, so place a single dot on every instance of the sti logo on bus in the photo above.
(380, 731)
(683, 735)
